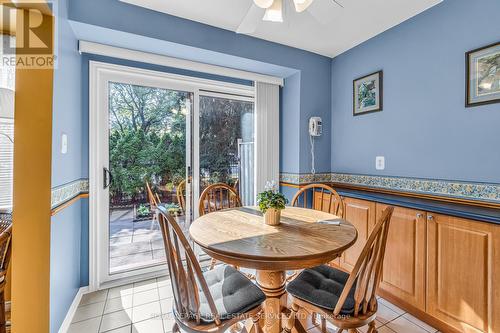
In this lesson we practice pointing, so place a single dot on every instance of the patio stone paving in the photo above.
(134, 244)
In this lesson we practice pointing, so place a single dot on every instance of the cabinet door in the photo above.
(361, 214)
(403, 274)
(463, 273)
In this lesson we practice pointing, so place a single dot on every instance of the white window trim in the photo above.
(158, 59)
(101, 73)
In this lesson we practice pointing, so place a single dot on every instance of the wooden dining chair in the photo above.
(348, 301)
(154, 202)
(329, 201)
(5, 253)
(217, 197)
(212, 301)
(180, 193)
(236, 185)
(153, 199)
(323, 198)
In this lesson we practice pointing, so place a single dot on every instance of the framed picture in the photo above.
(483, 75)
(367, 94)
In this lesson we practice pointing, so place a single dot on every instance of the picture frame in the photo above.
(367, 94)
(482, 75)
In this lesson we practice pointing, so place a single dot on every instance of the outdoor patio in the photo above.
(134, 244)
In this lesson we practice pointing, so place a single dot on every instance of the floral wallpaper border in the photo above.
(63, 193)
(489, 192)
(455, 189)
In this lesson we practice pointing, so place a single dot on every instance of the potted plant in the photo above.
(271, 202)
(173, 209)
(142, 213)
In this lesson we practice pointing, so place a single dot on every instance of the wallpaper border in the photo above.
(66, 192)
(489, 192)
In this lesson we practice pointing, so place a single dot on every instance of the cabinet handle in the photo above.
(420, 215)
(430, 217)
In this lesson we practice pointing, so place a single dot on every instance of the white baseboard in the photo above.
(72, 309)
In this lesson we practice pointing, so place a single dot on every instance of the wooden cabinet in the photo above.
(443, 269)
(463, 273)
(403, 274)
(361, 214)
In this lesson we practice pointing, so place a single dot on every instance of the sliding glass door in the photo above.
(159, 139)
(226, 140)
(148, 129)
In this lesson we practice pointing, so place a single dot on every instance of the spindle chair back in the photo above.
(188, 282)
(323, 198)
(217, 197)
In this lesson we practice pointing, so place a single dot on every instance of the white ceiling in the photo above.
(325, 28)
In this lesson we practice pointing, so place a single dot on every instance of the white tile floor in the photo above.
(146, 307)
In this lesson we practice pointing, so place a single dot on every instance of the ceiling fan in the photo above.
(272, 11)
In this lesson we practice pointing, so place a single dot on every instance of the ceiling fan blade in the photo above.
(275, 12)
(264, 4)
(251, 20)
(301, 5)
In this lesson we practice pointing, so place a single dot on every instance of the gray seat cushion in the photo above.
(322, 286)
(232, 291)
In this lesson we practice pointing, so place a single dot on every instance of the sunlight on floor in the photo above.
(146, 307)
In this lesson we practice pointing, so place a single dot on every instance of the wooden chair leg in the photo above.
(313, 318)
(323, 324)
(236, 328)
(291, 319)
(212, 264)
(372, 328)
(256, 324)
(3, 323)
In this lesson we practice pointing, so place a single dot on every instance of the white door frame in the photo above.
(100, 74)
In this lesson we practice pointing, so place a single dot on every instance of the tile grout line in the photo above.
(105, 302)
(390, 321)
(417, 324)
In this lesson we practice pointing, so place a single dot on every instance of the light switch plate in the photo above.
(380, 162)
(64, 143)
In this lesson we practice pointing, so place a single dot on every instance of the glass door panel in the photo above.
(226, 143)
(149, 155)
(158, 140)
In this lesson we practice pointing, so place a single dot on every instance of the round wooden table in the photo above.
(238, 236)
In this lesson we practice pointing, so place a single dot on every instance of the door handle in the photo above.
(107, 177)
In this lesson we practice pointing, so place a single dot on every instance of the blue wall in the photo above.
(65, 246)
(131, 26)
(64, 262)
(424, 129)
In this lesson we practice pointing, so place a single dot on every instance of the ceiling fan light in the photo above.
(263, 3)
(275, 12)
(301, 5)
